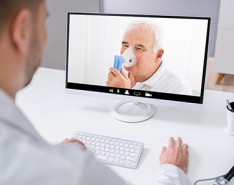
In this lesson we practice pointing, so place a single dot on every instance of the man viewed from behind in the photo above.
(25, 157)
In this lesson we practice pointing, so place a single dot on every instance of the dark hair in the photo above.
(8, 9)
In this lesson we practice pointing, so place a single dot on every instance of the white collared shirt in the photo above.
(165, 80)
(26, 158)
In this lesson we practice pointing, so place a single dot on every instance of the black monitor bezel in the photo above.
(156, 95)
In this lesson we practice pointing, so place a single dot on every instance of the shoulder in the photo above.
(172, 82)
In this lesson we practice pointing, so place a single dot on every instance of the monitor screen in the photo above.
(141, 56)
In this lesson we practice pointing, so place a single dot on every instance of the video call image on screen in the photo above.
(136, 52)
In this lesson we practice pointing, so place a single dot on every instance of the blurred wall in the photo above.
(207, 8)
(55, 51)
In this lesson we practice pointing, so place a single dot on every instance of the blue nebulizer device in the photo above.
(118, 62)
(127, 59)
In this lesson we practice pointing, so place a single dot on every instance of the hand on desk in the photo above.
(75, 141)
(175, 153)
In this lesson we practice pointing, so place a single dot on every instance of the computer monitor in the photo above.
(137, 58)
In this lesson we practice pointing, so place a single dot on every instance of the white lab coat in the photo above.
(26, 158)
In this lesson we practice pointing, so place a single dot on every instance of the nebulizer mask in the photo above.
(127, 59)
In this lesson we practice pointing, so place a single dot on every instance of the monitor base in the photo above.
(132, 112)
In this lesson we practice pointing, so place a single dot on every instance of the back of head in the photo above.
(147, 26)
(9, 9)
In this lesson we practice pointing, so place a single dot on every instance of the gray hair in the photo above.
(142, 26)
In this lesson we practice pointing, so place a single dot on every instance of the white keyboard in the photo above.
(111, 150)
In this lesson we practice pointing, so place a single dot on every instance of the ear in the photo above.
(21, 31)
(159, 55)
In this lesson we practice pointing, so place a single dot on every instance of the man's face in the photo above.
(38, 40)
(143, 44)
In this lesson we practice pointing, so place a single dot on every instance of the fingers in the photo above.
(124, 73)
(171, 142)
(176, 143)
(65, 140)
(163, 150)
(185, 148)
(181, 145)
(175, 153)
(78, 142)
(75, 141)
(179, 142)
(117, 79)
(113, 73)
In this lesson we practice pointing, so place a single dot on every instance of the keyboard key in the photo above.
(111, 150)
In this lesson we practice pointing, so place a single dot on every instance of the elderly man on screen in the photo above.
(146, 71)
(25, 157)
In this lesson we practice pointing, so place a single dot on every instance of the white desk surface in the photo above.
(56, 115)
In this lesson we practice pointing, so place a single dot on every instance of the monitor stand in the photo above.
(132, 112)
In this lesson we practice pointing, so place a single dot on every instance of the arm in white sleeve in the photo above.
(169, 175)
